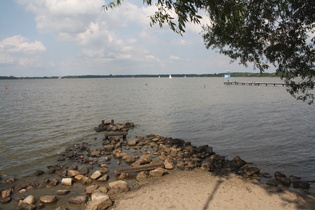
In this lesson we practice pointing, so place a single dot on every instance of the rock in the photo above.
(22, 191)
(119, 186)
(61, 208)
(284, 181)
(168, 164)
(120, 154)
(39, 172)
(216, 162)
(129, 158)
(144, 159)
(77, 200)
(84, 171)
(85, 180)
(103, 189)
(10, 180)
(103, 178)
(266, 175)
(78, 177)
(66, 181)
(29, 199)
(272, 182)
(73, 173)
(25, 206)
(104, 170)
(99, 200)
(62, 192)
(279, 174)
(5, 194)
(6, 200)
(90, 189)
(69, 154)
(132, 142)
(158, 172)
(249, 170)
(282, 178)
(301, 184)
(19, 187)
(238, 162)
(61, 158)
(96, 175)
(142, 175)
(123, 176)
(53, 181)
(109, 147)
(48, 199)
(95, 153)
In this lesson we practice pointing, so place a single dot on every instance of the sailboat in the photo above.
(170, 77)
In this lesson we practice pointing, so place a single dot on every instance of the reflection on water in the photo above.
(264, 125)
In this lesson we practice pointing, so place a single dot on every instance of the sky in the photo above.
(76, 37)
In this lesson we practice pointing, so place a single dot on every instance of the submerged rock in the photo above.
(301, 184)
(48, 199)
(77, 200)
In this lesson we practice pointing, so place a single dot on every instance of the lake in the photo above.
(263, 125)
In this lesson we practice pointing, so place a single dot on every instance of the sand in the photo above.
(199, 190)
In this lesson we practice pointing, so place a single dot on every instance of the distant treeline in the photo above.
(233, 74)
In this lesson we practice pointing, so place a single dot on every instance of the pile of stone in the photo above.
(111, 126)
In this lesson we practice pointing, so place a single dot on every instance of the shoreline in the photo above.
(84, 178)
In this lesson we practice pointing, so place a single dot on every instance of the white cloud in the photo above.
(173, 57)
(181, 42)
(17, 50)
(20, 44)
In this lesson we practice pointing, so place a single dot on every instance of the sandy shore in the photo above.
(199, 190)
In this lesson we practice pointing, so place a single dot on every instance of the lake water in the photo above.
(263, 125)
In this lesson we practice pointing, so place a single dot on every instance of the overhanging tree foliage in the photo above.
(266, 33)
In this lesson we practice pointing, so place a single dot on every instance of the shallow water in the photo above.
(263, 125)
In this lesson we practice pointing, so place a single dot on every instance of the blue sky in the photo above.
(73, 37)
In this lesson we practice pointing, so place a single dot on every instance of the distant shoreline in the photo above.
(233, 74)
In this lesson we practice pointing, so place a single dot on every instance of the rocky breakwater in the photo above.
(90, 177)
(111, 126)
